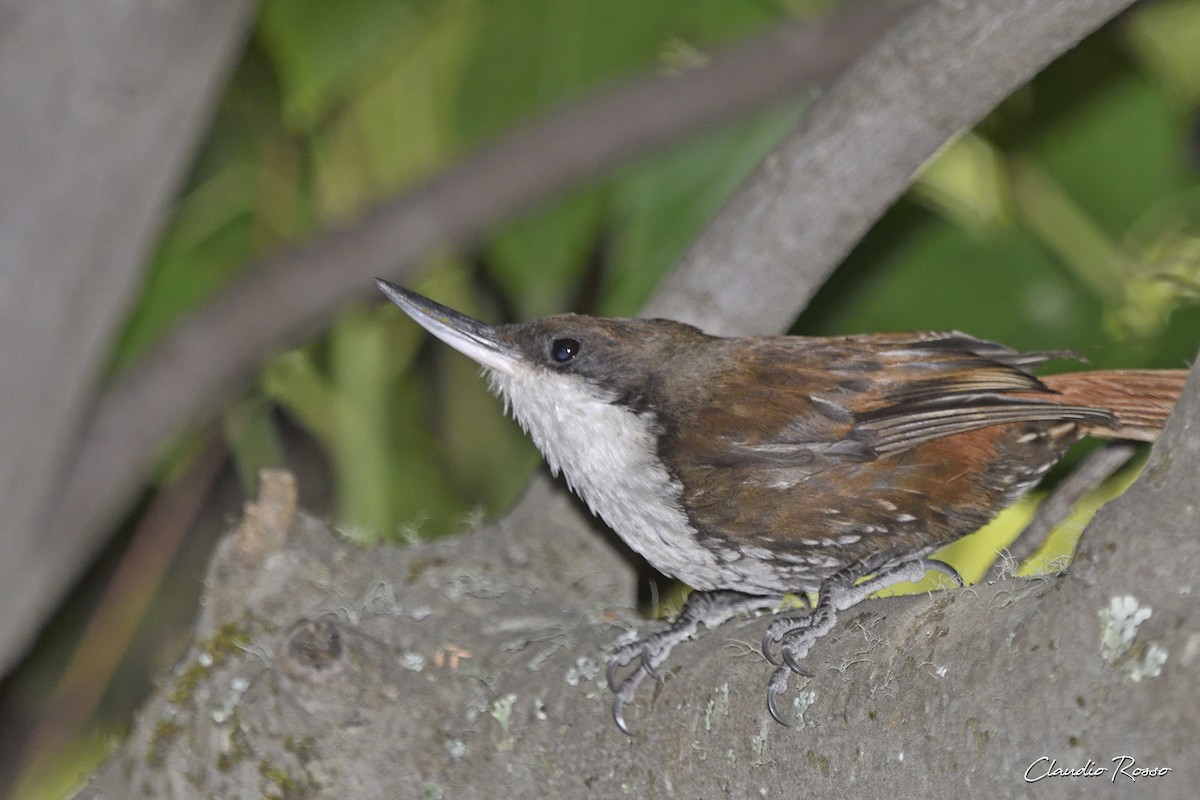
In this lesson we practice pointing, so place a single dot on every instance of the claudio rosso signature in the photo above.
(1122, 767)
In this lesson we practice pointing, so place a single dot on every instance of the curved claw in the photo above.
(794, 665)
(614, 664)
(624, 693)
(617, 662)
(777, 685)
(767, 641)
(618, 704)
(944, 568)
(648, 655)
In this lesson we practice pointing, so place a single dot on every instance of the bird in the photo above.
(753, 468)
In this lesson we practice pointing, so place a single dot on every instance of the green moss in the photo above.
(817, 762)
(165, 734)
(228, 638)
(185, 684)
(289, 786)
(240, 747)
(302, 749)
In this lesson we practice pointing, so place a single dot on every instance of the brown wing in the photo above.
(858, 398)
(832, 458)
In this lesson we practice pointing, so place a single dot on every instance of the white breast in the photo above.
(608, 455)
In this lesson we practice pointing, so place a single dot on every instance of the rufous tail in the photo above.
(1140, 399)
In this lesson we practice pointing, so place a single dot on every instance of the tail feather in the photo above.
(1140, 399)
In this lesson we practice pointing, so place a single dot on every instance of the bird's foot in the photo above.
(796, 635)
(709, 609)
(944, 568)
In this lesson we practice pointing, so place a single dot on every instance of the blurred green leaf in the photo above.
(367, 414)
(916, 273)
(319, 48)
(481, 453)
(181, 281)
(965, 182)
(398, 126)
(1059, 546)
(1164, 35)
(1070, 272)
(659, 206)
(1058, 223)
(540, 259)
(534, 53)
(486, 453)
(406, 112)
(363, 370)
(1117, 154)
(1162, 262)
(293, 381)
(1085, 212)
(253, 439)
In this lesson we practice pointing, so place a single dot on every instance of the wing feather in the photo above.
(857, 398)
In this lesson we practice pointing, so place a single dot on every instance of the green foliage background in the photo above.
(1068, 219)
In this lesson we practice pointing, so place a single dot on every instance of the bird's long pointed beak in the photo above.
(468, 336)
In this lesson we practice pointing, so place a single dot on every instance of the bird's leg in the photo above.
(796, 635)
(709, 609)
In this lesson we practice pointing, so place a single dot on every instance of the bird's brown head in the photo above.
(622, 361)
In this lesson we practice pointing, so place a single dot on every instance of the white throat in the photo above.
(608, 455)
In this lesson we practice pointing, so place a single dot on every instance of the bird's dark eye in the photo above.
(563, 350)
